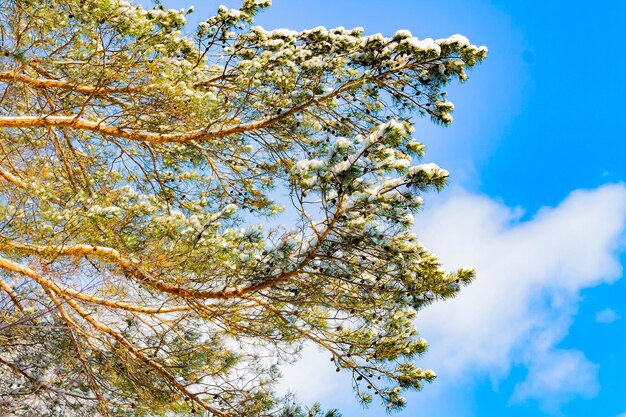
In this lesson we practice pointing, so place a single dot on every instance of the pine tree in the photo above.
(145, 172)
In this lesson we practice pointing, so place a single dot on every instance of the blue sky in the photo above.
(536, 204)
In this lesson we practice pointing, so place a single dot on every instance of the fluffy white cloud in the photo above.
(529, 278)
(313, 379)
(530, 274)
(555, 375)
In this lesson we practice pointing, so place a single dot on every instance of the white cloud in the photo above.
(607, 316)
(556, 375)
(527, 291)
(530, 274)
(313, 379)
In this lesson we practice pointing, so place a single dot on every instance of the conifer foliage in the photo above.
(146, 169)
